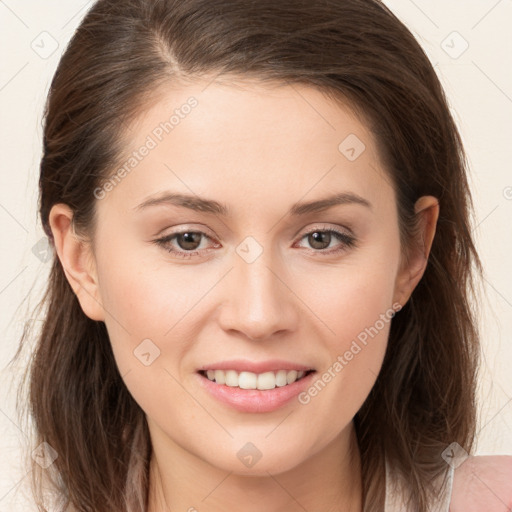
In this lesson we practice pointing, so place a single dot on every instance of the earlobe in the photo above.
(412, 270)
(77, 261)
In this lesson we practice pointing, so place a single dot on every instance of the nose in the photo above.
(259, 301)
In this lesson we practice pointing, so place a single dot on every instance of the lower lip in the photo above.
(256, 400)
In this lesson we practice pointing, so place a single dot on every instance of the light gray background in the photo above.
(477, 80)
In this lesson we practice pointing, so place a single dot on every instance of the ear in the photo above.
(77, 260)
(412, 268)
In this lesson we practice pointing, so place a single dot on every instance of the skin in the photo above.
(258, 149)
(483, 483)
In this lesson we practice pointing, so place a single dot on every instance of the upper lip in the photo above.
(244, 365)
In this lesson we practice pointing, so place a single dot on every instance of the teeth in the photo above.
(231, 378)
(266, 380)
(249, 380)
(281, 379)
(220, 377)
(292, 376)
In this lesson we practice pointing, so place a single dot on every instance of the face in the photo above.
(262, 273)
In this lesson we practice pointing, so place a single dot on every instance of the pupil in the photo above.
(316, 238)
(189, 238)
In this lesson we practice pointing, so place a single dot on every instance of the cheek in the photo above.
(142, 304)
(357, 313)
(361, 323)
(143, 293)
(352, 296)
(147, 337)
(356, 305)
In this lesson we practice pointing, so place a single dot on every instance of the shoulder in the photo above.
(483, 484)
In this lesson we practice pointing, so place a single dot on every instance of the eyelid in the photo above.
(322, 226)
(180, 228)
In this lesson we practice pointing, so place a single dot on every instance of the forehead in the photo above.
(248, 140)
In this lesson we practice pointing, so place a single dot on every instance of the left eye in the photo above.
(319, 237)
(188, 242)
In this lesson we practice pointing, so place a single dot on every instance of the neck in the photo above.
(330, 481)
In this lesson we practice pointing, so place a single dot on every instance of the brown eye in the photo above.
(184, 244)
(319, 239)
(188, 240)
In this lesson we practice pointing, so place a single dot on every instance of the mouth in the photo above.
(268, 388)
(250, 380)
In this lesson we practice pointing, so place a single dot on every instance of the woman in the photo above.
(263, 267)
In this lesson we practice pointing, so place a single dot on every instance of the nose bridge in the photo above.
(259, 302)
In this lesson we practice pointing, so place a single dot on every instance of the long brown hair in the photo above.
(355, 50)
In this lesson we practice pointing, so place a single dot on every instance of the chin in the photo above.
(249, 461)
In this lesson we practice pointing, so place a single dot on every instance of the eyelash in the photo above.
(348, 242)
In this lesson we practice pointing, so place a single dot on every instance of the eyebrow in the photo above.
(200, 204)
